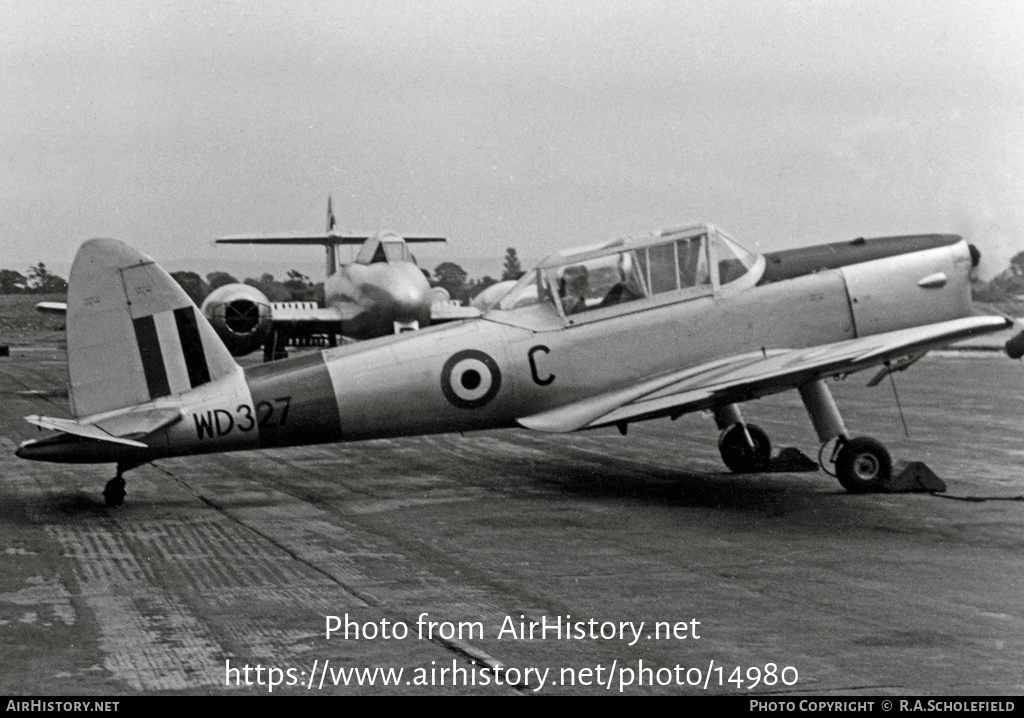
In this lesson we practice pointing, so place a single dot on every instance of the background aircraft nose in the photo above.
(411, 304)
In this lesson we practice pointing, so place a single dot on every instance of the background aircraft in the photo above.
(52, 307)
(382, 292)
(673, 322)
(488, 297)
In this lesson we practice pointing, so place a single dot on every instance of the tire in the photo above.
(738, 455)
(114, 493)
(863, 465)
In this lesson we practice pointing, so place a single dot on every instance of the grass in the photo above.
(22, 325)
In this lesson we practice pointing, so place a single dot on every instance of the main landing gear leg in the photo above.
(862, 463)
(114, 493)
(276, 346)
(745, 448)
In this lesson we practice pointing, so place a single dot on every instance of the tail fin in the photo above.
(133, 334)
(332, 250)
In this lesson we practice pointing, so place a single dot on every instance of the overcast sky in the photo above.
(535, 125)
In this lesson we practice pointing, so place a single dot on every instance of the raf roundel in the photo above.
(470, 379)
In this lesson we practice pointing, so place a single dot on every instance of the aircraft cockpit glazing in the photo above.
(383, 250)
(629, 275)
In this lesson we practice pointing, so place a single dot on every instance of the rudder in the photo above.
(133, 334)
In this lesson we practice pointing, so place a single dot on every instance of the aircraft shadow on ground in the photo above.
(621, 480)
(72, 504)
(53, 507)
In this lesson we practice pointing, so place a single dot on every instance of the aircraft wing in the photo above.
(306, 313)
(749, 376)
(309, 317)
(450, 312)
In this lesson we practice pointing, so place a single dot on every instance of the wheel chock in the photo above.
(913, 476)
(791, 459)
(5, 351)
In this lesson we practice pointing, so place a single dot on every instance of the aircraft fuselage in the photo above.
(374, 298)
(488, 373)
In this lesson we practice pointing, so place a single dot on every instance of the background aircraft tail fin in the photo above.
(133, 334)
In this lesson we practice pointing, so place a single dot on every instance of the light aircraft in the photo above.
(676, 321)
(382, 292)
(52, 307)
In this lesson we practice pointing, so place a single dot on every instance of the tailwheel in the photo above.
(745, 448)
(114, 492)
(863, 465)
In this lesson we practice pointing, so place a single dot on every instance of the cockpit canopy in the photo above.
(386, 247)
(665, 266)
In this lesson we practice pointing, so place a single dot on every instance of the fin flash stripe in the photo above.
(152, 358)
(158, 355)
(192, 346)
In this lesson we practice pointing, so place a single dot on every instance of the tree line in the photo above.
(1005, 287)
(39, 280)
(296, 288)
(461, 288)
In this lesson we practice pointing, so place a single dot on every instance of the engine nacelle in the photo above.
(240, 314)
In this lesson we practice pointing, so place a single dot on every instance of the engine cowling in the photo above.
(240, 314)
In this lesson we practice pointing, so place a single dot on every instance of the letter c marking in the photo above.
(533, 365)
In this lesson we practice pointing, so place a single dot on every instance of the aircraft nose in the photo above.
(411, 304)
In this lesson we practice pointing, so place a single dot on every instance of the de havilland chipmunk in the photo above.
(676, 321)
(382, 292)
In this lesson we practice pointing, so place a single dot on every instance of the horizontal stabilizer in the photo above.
(113, 427)
(310, 239)
(87, 431)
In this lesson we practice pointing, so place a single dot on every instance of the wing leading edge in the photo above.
(752, 375)
(451, 312)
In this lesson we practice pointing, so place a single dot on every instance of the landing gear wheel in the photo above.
(739, 455)
(114, 492)
(863, 465)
